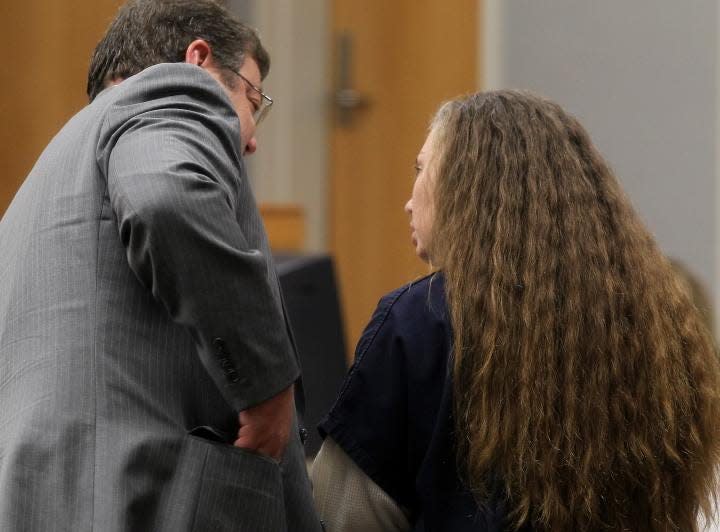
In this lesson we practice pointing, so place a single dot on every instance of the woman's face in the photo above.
(420, 205)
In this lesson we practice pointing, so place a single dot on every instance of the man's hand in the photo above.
(265, 428)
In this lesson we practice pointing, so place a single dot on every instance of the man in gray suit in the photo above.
(146, 365)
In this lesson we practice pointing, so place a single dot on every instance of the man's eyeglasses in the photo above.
(261, 108)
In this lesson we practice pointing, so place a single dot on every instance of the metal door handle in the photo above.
(346, 99)
(349, 99)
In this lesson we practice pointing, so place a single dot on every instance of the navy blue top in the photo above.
(393, 416)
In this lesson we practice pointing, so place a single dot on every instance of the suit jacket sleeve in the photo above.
(169, 148)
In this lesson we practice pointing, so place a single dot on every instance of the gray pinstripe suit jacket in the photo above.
(139, 312)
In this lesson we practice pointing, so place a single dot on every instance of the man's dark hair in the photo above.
(148, 32)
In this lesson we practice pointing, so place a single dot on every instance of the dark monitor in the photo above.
(311, 301)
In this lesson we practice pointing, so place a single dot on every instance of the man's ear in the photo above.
(199, 53)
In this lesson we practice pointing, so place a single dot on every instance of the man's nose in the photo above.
(251, 146)
(408, 207)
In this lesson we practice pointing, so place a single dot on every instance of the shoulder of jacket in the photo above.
(425, 292)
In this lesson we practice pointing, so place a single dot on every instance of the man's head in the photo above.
(149, 32)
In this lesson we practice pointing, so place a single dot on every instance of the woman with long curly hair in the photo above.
(553, 376)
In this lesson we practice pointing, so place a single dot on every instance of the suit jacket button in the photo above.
(219, 344)
(303, 435)
(232, 375)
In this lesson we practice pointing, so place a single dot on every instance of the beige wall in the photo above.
(290, 165)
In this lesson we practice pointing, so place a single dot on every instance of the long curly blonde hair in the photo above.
(584, 377)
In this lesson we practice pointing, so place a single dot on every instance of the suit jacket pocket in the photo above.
(220, 487)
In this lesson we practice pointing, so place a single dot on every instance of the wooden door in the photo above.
(43, 80)
(405, 58)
